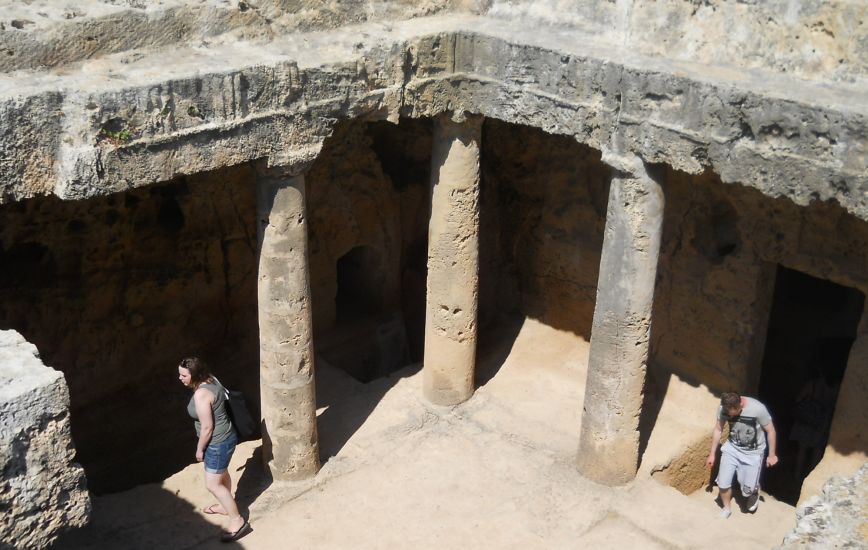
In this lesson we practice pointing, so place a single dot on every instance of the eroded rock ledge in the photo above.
(123, 122)
(835, 518)
(42, 491)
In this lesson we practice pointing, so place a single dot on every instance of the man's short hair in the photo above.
(730, 400)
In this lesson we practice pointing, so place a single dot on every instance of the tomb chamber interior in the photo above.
(115, 290)
(368, 209)
(812, 325)
(543, 209)
(720, 251)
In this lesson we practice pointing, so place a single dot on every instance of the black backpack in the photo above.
(239, 414)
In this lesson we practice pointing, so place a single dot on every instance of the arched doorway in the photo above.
(369, 339)
(811, 329)
(360, 283)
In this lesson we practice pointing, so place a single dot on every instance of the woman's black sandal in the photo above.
(230, 537)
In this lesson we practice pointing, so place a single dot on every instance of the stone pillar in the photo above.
(286, 355)
(609, 442)
(453, 262)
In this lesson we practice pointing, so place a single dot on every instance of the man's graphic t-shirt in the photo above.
(746, 431)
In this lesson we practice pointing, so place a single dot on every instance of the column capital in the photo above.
(625, 162)
(466, 118)
(265, 168)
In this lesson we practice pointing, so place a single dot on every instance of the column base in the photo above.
(607, 466)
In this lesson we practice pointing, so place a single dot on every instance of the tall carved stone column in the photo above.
(453, 262)
(609, 442)
(286, 355)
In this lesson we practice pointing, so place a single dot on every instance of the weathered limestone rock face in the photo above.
(720, 247)
(834, 519)
(48, 34)
(131, 120)
(42, 491)
(720, 251)
(816, 39)
(678, 443)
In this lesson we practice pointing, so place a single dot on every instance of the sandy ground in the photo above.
(495, 472)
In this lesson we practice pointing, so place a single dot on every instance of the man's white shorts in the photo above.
(747, 467)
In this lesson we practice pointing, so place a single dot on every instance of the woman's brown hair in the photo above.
(199, 371)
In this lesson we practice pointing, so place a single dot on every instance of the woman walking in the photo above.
(216, 443)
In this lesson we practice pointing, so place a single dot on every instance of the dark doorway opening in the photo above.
(360, 285)
(811, 328)
(370, 338)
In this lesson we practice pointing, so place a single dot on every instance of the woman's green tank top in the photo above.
(222, 424)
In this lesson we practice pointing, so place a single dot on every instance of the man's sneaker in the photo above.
(725, 513)
(753, 502)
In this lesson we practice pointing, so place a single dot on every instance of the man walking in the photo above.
(750, 428)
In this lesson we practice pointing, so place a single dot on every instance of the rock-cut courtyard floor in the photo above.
(495, 472)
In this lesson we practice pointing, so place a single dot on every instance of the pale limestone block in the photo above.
(42, 491)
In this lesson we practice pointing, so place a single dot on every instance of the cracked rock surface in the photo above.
(127, 119)
(836, 518)
(42, 491)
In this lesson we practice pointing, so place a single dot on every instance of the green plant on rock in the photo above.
(115, 137)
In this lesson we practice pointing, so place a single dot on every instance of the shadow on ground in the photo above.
(166, 516)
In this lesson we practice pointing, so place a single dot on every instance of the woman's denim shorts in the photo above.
(217, 455)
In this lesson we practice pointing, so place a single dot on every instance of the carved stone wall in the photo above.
(721, 246)
(368, 198)
(543, 209)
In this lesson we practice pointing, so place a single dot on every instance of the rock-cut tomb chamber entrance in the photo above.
(177, 261)
(408, 204)
(812, 326)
